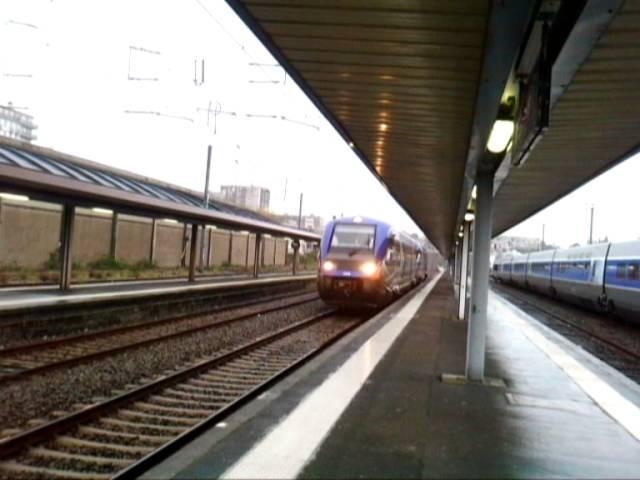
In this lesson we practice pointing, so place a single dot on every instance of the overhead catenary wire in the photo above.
(233, 39)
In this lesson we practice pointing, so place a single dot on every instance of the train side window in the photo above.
(633, 271)
(620, 270)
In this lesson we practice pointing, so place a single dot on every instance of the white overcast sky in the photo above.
(77, 58)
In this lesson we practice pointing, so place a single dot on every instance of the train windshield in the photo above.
(355, 238)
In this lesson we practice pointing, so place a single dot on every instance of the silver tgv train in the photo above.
(603, 277)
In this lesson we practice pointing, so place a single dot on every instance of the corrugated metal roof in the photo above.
(59, 168)
(401, 78)
(592, 126)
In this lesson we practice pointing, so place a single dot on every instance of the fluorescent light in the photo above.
(474, 192)
(13, 196)
(460, 234)
(500, 137)
(469, 216)
(101, 210)
(169, 220)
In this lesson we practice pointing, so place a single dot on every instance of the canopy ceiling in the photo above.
(414, 86)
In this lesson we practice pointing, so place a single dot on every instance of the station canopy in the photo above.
(414, 86)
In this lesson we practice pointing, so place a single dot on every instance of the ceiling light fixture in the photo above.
(13, 196)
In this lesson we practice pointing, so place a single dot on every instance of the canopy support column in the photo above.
(477, 331)
(66, 245)
(256, 255)
(193, 251)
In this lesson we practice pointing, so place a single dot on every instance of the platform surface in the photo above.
(562, 413)
(15, 299)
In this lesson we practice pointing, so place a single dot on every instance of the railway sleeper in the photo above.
(73, 442)
(187, 412)
(250, 370)
(160, 419)
(261, 366)
(215, 385)
(221, 388)
(18, 363)
(227, 379)
(44, 472)
(74, 457)
(273, 360)
(94, 432)
(237, 374)
(191, 403)
(148, 428)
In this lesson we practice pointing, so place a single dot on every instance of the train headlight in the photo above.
(328, 266)
(369, 268)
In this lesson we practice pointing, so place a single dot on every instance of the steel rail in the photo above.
(25, 348)
(68, 362)
(16, 444)
(155, 457)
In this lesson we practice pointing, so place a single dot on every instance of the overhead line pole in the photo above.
(591, 227)
(206, 203)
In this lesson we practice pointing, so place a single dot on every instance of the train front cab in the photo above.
(622, 280)
(350, 272)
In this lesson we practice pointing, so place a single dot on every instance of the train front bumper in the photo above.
(352, 291)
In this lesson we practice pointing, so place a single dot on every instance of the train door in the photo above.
(393, 260)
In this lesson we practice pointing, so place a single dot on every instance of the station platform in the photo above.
(374, 405)
(18, 299)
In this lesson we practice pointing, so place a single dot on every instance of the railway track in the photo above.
(123, 436)
(613, 345)
(40, 357)
(17, 329)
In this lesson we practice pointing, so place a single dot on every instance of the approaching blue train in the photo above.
(365, 262)
(605, 277)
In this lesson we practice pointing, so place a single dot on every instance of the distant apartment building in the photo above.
(504, 244)
(252, 197)
(17, 125)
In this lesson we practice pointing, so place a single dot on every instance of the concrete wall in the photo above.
(30, 231)
(239, 249)
(134, 237)
(91, 236)
(252, 250)
(219, 247)
(268, 249)
(168, 244)
(281, 251)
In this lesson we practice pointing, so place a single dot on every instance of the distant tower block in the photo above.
(16, 124)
